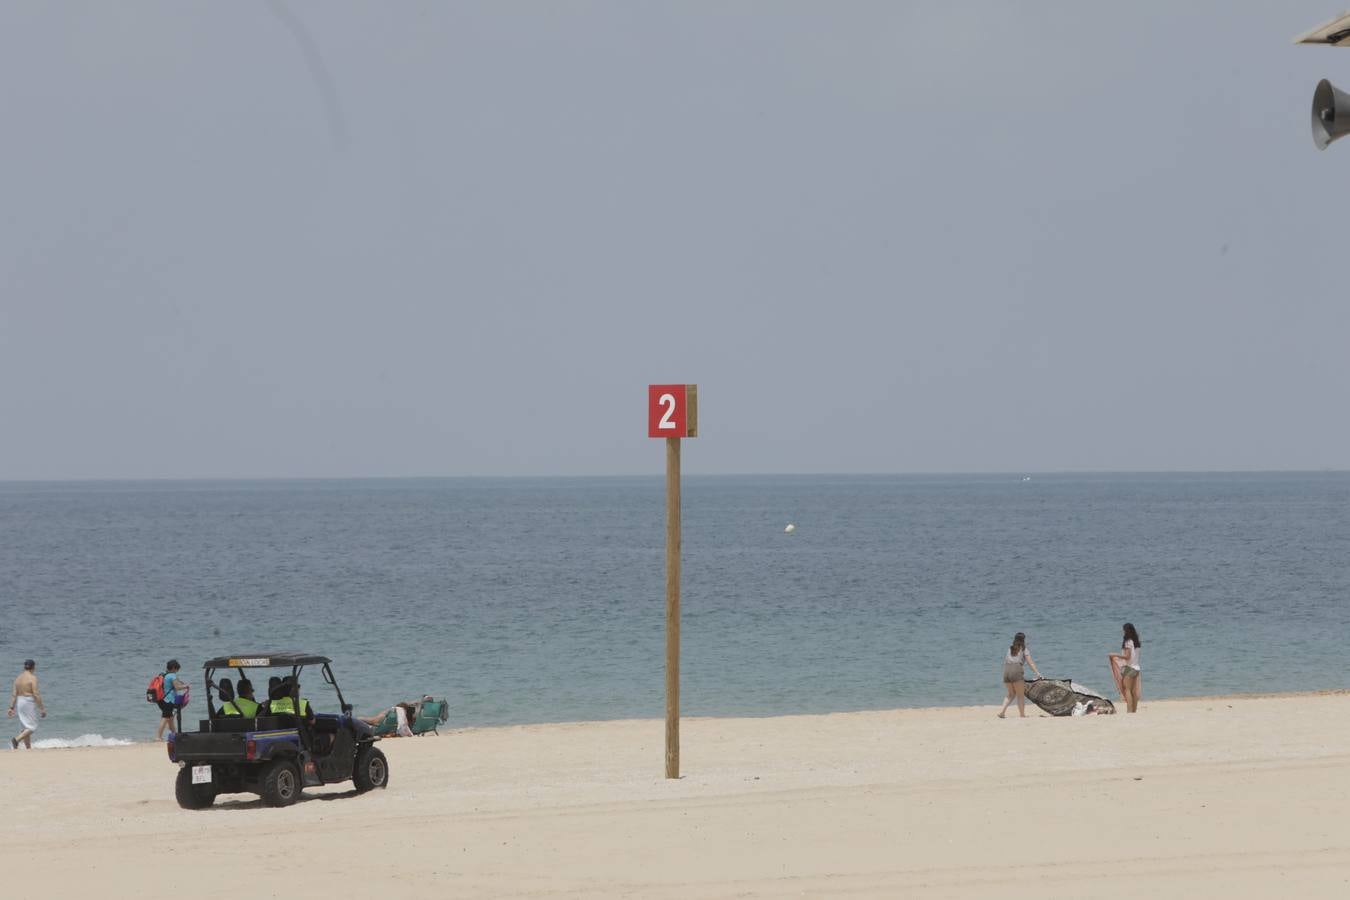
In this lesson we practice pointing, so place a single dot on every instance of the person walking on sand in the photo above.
(174, 688)
(1125, 667)
(1014, 674)
(25, 701)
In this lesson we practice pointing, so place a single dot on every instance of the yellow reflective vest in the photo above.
(240, 706)
(284, 706)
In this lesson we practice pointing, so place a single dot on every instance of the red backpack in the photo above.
(155, 692)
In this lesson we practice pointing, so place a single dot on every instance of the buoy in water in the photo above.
(790, 528)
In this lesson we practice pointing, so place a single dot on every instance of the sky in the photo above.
(282, 238)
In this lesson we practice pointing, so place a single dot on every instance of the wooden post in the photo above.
(672, 607)
(672, 413)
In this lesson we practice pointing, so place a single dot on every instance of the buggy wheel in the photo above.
(281, 784)
(372, 769)
(192, 796)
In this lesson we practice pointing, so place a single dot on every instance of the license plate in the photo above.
(201, 774)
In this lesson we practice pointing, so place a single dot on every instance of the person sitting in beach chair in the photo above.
(392, 722)
(413, 717)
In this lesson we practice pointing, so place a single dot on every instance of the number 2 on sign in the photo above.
(672, 410)
(666, 423)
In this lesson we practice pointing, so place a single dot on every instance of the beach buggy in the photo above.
(274, 752)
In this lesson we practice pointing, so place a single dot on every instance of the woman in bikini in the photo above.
(1125, 667)
(1014, 676)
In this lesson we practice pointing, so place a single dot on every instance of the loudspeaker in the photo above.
(1330, 114)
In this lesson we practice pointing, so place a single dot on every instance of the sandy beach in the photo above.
(1241, 795)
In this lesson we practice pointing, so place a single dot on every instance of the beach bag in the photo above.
(155, 692)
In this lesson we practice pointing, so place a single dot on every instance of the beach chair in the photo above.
(431, 714)
(428, 715)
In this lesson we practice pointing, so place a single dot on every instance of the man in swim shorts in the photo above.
(25, 701)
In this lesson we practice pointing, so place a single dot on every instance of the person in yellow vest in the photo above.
(243, 703)
(282, 702)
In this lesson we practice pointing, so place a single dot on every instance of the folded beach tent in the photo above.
(428, 715)
(1060, 697)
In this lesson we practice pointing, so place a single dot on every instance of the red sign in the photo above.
(672, 410)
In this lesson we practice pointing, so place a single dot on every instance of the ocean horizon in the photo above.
(541, 599)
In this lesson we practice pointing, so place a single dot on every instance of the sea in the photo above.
(530, 600)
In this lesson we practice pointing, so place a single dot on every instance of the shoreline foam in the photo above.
(81, 742)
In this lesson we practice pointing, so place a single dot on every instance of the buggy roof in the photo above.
(265, 660)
